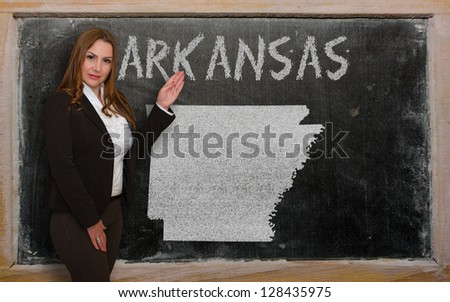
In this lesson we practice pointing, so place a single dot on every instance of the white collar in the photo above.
(91, 95)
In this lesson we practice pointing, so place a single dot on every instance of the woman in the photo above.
(92, 148)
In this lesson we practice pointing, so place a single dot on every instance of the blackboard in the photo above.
(362, 187)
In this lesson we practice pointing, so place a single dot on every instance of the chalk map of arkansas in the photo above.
(217, 172)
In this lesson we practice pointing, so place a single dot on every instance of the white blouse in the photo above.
(120, 133)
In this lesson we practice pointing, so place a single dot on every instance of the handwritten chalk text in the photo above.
(158, 51)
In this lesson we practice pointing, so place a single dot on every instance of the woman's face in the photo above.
(97, 64)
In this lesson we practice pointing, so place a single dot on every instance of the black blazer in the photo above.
(81, 157)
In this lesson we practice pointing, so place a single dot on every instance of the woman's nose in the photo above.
(98, 66)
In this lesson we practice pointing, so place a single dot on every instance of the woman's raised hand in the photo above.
(170, 91)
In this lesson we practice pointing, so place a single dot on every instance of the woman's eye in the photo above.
(107, 61)
(90, 57)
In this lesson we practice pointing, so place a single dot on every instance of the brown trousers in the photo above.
(75, 249)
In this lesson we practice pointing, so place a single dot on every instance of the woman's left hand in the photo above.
(170, 91)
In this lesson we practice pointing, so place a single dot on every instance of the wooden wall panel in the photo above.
(8, 101)
(440, 99)
(231, 6)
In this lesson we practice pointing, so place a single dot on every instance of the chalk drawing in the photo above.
(310, 48)
(153, 59)
(330, 53)
(131, 49)
(180, 56)
(235, 163)
(277, 56)
(255, 57)
(245, 51)
(219, 48)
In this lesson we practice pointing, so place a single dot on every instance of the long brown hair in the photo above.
(72, 83)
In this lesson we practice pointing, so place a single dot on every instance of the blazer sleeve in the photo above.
(154, 125)
(58, 139)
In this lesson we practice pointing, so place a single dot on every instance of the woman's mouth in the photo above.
(94, 77)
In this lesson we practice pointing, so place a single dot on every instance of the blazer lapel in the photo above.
(89, 110)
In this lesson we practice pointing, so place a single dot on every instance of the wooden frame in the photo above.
(439, 75)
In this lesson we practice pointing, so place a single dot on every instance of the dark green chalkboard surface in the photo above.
(361, 191)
